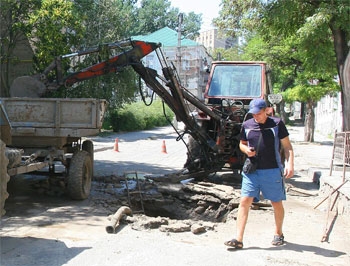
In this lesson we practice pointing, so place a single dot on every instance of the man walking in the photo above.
(261, 138)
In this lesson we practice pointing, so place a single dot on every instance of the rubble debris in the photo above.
(165, 224)
(197, 229)
(146, 222)
(178, 227)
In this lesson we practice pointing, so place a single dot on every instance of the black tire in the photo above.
(88, 146)
(4, 178)
(193, 154)
(79, 176)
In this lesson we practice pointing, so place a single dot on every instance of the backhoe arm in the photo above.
(174, 97)
(139, 50)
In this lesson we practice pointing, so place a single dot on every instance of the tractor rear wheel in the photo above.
(194, 155)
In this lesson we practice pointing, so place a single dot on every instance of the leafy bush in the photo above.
(138, 116)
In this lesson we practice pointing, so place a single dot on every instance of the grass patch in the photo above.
(137, 116)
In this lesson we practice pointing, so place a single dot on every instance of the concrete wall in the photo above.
(328, 115)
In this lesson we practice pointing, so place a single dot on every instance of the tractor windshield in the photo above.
(236, 81)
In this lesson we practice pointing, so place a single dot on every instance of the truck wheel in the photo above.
(4, 178)
(79, 176)
(88, 146)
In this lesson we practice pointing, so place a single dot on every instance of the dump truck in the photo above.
(45, 129)
(40, 132)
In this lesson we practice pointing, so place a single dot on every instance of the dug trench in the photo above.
(155, 201)
(169, 204)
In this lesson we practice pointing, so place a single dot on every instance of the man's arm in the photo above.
(289, 155)
(243, 145)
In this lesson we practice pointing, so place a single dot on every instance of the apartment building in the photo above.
(189, 57)
(212, 39)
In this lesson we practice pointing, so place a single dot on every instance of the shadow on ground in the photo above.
(36, 251)
(300, 248)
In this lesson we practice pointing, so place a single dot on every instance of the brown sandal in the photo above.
(234, 243)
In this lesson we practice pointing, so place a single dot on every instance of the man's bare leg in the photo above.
(242, 216)
(279, 216)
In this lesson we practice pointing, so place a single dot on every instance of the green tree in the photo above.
(239, 17)
(105, 21)
(58, 27)
(231, 54)
(13, 31)
(153, 15)
(310, 37)
(309, 90)
(191, 25)
(322, 31)
(296, 79)
(57, 30)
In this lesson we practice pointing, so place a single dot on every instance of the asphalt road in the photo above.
(41, 230)
(155, 151)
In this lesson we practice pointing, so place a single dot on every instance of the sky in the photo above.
(208, 8)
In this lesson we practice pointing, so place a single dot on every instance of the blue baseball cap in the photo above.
(256, 105)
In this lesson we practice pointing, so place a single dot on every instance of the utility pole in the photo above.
(179, 29)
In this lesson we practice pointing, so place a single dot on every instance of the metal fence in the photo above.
(341, 152)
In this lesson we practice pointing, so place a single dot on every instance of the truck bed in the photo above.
(42, 122)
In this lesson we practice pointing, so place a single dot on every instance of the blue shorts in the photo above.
(268, 181)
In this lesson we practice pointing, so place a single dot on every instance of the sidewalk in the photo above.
(310, 155)
(313, 160)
